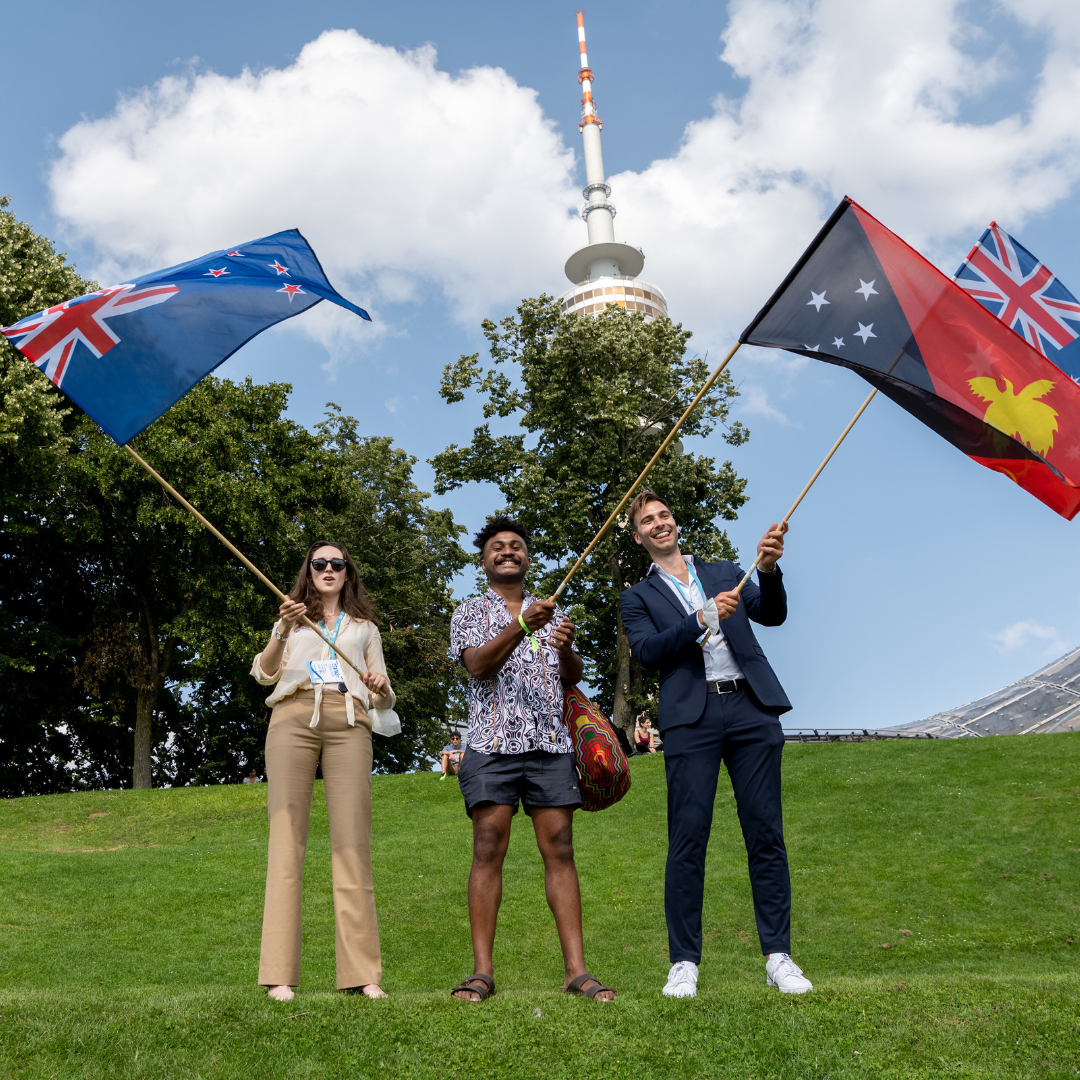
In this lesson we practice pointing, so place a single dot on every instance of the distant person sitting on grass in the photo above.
(643, 737)
(252, 777)
(452, 753)
(517, 650)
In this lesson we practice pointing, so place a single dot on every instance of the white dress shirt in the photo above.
(720, 663)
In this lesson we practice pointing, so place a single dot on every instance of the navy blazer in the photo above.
(663, 636)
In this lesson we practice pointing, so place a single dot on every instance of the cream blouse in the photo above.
(360, 643)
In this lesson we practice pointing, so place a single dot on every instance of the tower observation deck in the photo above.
(605, 271)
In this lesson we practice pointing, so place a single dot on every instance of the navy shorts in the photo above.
(537, 778)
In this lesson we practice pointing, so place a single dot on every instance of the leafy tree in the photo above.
(41, 711)
(594, 398)
(32, 437)
(176, 620)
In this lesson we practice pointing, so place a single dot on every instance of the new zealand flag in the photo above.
(861, 298)
(126, 354)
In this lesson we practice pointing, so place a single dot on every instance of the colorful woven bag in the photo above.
(603, 771)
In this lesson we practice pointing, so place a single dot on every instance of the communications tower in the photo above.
(604, 271)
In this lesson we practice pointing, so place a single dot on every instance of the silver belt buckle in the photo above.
(717, 682)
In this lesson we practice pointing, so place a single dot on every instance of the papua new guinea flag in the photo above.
(126, 354)
(862, 298)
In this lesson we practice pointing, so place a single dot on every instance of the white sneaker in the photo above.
(682, 980)
(783, 973)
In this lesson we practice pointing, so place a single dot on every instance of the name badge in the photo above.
(324, 671)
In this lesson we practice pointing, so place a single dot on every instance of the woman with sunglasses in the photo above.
(323, 713)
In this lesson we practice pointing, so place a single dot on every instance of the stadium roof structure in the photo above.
(1041, 703)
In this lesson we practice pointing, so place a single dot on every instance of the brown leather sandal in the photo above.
(575, 987)
(485, 989)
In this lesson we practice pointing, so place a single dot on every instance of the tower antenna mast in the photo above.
(599, 214)
(605, 271)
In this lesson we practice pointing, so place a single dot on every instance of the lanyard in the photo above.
(678, 585)
(333, 636)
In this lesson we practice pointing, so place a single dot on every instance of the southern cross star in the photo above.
(865, 332)
(292, 290)
(275, 265)
(817, 299)
(215, 273)
(867, 289)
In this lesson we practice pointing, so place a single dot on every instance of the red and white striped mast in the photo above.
(598, 212)
(604, 256)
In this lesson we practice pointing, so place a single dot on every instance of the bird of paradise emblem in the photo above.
(1019, 414)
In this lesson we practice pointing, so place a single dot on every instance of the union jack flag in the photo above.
(49, 338)
(1025, 295)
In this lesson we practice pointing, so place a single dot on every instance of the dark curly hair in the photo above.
(498, 524)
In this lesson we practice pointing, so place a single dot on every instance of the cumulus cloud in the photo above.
(1027, 632)
(406, 178)
(401, 176)
(755, 402)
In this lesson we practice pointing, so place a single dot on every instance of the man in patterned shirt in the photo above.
(517, 649)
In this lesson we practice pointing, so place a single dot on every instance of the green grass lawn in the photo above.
(130, 921)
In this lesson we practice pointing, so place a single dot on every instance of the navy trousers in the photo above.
(749, 740)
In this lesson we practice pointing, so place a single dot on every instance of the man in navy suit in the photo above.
(719, 702)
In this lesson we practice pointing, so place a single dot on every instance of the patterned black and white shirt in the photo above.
(521, 708)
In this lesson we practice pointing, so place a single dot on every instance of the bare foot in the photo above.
(371, 990)
(280, 993)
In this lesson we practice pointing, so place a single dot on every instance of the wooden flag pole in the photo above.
(810, 483)
(237, 552)
(802, 494)
(644, 472)
(817, 472)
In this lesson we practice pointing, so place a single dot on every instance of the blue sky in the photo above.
(430, 153)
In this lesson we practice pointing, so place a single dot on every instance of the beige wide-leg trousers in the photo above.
(293, 750)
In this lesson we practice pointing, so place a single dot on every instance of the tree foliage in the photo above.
(37, 641)
(124, 617)
(594, 397)
(32, 276)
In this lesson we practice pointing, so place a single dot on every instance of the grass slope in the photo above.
(130, 921)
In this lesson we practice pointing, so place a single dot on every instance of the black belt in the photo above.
(727, 686)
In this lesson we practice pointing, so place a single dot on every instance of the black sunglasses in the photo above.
(319, 565)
